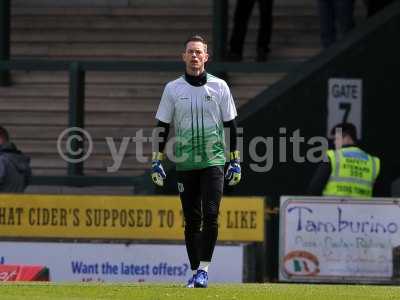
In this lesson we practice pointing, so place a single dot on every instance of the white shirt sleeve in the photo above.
(165, 111)
(227, 104)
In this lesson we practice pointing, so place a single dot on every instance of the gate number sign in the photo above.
(344, 103)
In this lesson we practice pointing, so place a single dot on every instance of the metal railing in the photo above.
(77, 74)
(4, 39)
(76, 110)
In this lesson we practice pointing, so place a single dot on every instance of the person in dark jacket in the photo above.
(15, 170)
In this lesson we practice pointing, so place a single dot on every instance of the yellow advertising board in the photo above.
(120, 217)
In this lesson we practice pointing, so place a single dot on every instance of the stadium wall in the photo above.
(299, 102)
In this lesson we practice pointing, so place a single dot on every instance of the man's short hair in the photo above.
(347, 129)
(4, 134)
(197, 38)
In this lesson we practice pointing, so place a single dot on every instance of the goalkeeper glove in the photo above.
(233, 173)
(157, 171)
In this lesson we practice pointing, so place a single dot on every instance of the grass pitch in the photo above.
(144, 291)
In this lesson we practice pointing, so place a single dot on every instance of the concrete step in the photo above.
(111, 3)
(49, 78)
(110, 78)
(51, 132)
(106, 106)
(112, 11)
(95, 190)
(21, 37)
(98, 162)
(138, 51)
(126, 172)
(38, 171)
(91, 119)
(150, 36)
(34, 91)
(107, 22)
(100, 146)
(280, 9)
(172, 24)
(139, 3)
(184, 9)
(135, 51)
(97, 92)
(99, 165)
(100, 105)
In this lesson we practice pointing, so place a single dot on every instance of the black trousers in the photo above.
(332, 12)
(200, 192)
(240, 22)
(373, 6)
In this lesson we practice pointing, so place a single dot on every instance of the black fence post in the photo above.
(5, 40)
(220, 28)
(76, 118)
(272, 239)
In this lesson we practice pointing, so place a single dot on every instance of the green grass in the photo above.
(144, 291)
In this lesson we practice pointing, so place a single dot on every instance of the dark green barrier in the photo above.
(370, 53)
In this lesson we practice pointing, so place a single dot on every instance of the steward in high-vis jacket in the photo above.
(349, 171)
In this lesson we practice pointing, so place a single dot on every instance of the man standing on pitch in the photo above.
(200, 105)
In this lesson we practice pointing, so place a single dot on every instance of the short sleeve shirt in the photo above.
(198, 113)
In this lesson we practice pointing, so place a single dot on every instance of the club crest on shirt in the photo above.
(208, 98)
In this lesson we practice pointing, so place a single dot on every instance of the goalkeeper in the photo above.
(200, 106)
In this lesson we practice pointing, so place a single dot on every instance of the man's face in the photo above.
(341, 140)
(195, 57)
(338, 141)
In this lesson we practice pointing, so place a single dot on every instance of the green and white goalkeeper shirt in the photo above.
(198, 113)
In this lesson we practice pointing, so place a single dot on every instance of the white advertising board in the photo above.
(118, 262)
(344, 103)
(328, 239)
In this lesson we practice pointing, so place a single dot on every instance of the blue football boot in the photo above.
(201, 279)
(190, 283)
